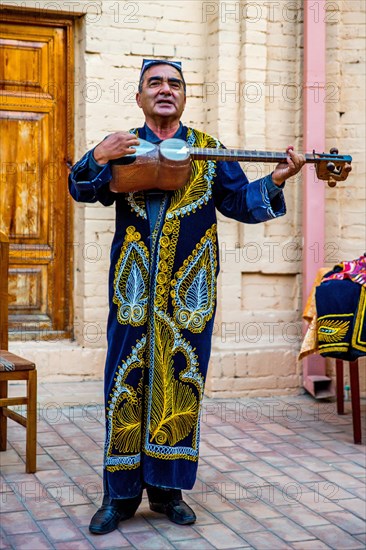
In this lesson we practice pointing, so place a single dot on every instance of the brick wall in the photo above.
(243, 66)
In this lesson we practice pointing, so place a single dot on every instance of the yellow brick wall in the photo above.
(243, 66)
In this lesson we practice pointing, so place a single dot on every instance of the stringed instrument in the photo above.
(167, 166)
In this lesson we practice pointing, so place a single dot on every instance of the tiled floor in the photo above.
(274, 473)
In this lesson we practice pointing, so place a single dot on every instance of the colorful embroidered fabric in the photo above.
(354, 270)
(341, 311)
(162, 296)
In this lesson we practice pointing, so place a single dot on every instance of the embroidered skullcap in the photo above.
(147, 63)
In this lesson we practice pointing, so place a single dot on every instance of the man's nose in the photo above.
(165, 88)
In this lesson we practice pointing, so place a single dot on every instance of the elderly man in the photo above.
(162, 296)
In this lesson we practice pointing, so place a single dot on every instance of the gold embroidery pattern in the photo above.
(174, 409)
(175, 406)
(124, 414)
(332, 331)
(194, 293)
(171, 401)
(137, 203)
(357, 335)
(131, 280)
(167, 247)
(198, 190)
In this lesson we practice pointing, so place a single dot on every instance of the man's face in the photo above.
(162, 93)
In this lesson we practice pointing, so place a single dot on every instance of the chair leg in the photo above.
(31, 446)
(355, 398)
(340, 388)
(3, 418)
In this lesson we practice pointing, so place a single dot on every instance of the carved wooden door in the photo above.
(35, 120)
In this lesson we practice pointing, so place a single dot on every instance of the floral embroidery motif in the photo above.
(124, 415)
(194, 293)
(131, 280)
(173, 413)
(157, 413)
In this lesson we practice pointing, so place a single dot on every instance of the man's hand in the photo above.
(292, 166)
(115, 146)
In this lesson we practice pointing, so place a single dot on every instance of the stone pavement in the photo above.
(280, 473)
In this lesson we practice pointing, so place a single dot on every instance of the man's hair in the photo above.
(147, 63)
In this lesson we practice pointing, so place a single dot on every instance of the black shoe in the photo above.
(112, 511)
(170, 503)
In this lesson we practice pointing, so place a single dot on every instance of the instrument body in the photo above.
(167, 166)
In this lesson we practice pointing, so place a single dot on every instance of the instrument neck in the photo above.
(240, 155)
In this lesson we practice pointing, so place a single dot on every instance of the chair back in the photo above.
(4, 266)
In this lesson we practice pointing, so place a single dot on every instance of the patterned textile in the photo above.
(309, 344)
(162, 304)
(341, 323)
(354, 270)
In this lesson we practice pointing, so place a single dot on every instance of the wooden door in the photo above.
(35, 124)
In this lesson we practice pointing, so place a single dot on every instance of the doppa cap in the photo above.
(147, 63)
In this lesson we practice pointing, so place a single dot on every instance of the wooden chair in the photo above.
(355, 395)
(14, 368)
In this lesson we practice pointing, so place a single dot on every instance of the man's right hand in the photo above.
(114, 146)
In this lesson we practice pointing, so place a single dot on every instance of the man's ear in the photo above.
(138, 99)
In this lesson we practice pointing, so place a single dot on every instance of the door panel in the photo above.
(23, 179)
(34, 202)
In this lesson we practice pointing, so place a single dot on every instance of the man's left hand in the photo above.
(284, 170)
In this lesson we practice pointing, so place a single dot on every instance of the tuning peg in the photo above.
(331, 166)
(334, 151)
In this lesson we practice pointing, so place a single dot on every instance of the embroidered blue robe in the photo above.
(341, 311)
(162, 296)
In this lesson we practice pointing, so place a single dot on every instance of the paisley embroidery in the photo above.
(173, 412)
(124, 415)
(157, 413)
(332, 330)
(194, 293)
(131, 280)
(198, 191)
(174, 408)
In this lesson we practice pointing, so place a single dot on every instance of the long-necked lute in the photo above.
(167, 166)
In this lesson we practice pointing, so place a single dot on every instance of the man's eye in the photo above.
(175, 85)
(154, 83)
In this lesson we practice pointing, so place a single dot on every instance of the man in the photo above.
(164, 264)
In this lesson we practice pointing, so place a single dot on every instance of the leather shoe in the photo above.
(170, 503)
(177, 511)
(112, 511)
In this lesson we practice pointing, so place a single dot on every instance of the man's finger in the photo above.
(132, 139)
(290, 162)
